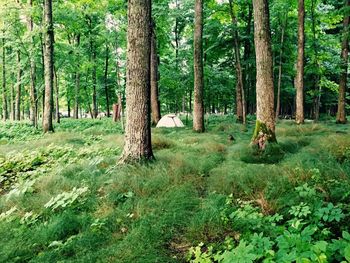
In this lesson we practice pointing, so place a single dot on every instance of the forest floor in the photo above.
(64, 199)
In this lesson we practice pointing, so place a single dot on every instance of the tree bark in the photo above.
(77, 80)
(94, 84)
(138, 145)
(279, 83)
(48, 59)
(155, 105)
(198, 105)
(247, 53)
(299, 80)
(94, 69)
(18, 88)
(13, 101)
(4, 95)
(106, 80)
(317, 86)
(240, 100)
(42, 47)
(57, 96)
(341, 114)
(265, 116)
(33, 92)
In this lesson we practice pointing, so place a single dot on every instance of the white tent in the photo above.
(170, 121)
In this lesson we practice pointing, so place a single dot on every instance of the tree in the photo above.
(77, 79)
(4, 95)
(48, 65)
(18, 87)
(341, 115)
(265, 116)
(198, 106)
(138, 145)
(106, 80)
(155, 105)
(299, 80)
(280, 64)
(33, 92)
(240, 97)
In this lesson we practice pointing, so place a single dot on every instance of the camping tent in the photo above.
(170, 121)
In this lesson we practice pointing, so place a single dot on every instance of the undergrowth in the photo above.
(207, 198)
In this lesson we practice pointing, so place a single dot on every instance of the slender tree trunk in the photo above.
(18, 84)
(247, 53)
(4, 92)
(279, 83)
(120, 112)
(94, 66)
(94, 84)
(13, 102)
(317, 86)
(240, 100)
(33, 93)
(106, 80)
(68, 107)
(198, 106)
(18, 87)
(57, 96)
(42, 47)
(138, 145)
(48, 58)
(299, 81)
(77, 80)
(265, 117)
(155, 105)
(119, 87)
(341, 115)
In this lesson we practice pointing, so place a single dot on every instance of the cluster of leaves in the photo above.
(66, 198)
(303, 232)
(18, 169)
(73, 198)
(18, 132)
(23, 165)
(103, 126)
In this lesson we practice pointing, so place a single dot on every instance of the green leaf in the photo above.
(347, 253)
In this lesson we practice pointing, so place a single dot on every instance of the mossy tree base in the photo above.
(341, 121)
(263, 135)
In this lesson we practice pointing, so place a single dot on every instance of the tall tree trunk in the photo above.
(18, 87)
(42, 47)
(48, 59)
(106, 80)
(247, 68)
(119, 115)
(57, 96)
(93, 61)
(240, 100)
(155, 105)
(77, 80)
(94, 84)
(198, 106)
(13, 102)
(299, 80)
(120, 112)
(317, 86)
(265, 116)
(33, 94)
(279, 83)
(138, 145)
(4, 92)
(341, 115)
